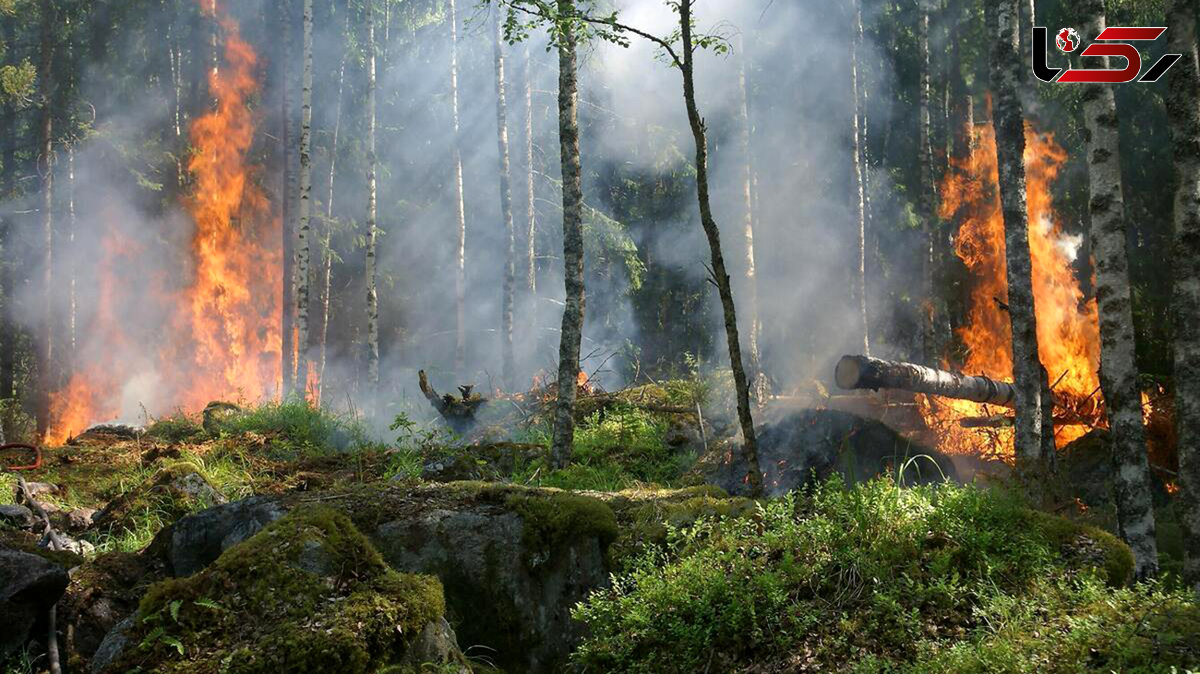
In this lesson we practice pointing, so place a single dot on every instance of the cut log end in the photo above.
(848, 372)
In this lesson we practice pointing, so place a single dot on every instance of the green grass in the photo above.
(877, 577)
(616, 448)
(296, 427)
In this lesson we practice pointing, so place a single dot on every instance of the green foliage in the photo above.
(616, 447)
(178, 427)
(17, 83)
(296, 427)
(844, 574)
(308, 593)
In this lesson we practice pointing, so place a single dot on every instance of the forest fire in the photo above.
(222, 334)
(1068, 326)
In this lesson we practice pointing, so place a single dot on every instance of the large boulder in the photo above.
(513, 561)
(307, 593)
(812, 444)
(29, 586)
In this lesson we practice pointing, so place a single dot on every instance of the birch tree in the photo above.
(508, 288)
(749, 215)
(287, 316)
(460, 214)
(45, 165)
(302, 257)
(1118, 369)
(856, 194)
(530, 211)
(572, 206)
(1009, 122)
(372, 294)
(1183, 118)
(326, 244)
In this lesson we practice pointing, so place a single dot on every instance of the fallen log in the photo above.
(864, 372)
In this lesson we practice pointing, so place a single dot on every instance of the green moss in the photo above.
(1086, 545)
(554, 519)
(308, 593)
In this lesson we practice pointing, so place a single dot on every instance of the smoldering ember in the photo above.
(751, 336)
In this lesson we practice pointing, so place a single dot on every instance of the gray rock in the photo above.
(436, 645)
(17, 516)
(196, 540)
(80, 519)
(29, 586)
(114, 642)
(502, 596)
(36, 489)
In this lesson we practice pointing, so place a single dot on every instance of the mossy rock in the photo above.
(169, 494)
(646, 516)
(1086, 546)
(308, 593)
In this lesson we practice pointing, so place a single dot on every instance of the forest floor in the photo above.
(627, 560)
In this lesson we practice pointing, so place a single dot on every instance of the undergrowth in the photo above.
(615, 448)
(882, 578)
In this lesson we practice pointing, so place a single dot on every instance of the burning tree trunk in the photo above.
(750, 447)
(506, 304)
(1009, 122)
(860, 222)
(302, 259)
(372, 295)
(1118, 370)
(572, 205)
(326, 244)
(864, 372)
(460, 214)
(749, 214)
(1184, 122)
(45, 162)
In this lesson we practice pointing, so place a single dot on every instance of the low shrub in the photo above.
(872, 575)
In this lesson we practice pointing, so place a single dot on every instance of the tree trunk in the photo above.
(509, 285)
(572, 207)
(460, 213)
(8, 336)
(721, 277)
(864, 372)
(1118, 368)
(748, 217)
(372, 294)
(72, 223)
(935, 328)
(856, 194)
(303, 284)
(1183, 118)
(287, 317)
(45, 156)
(530, 211)
(1009, 123)
(326, 245)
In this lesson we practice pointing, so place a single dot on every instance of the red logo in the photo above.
(1112, 41)
(1067, 40)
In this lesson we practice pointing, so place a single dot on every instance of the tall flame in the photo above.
(222, 335)
(1068, 327)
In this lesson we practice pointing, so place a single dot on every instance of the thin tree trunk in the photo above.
(750, 446)
(287, 315)
(1009, 123)
(326, 244)
(509, 285)
(1183, 118)
(46, 168)
(303, 256)
(1118, 367)
(530, 211)
(372, 294)
(8, 337)
(932, 314)
(749, 215)
(572, 207)
(860, 223)
(72, 297)
(460, 212)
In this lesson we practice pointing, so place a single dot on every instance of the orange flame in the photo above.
(1068, 327)
(223, 338)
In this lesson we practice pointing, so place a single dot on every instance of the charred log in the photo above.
(864, 372)
(458, 412)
